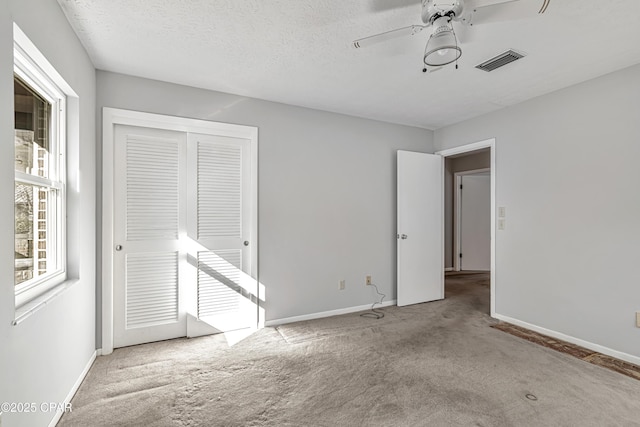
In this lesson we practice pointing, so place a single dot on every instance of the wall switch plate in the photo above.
(368, 280)
(342, 285)
(501, 224)
(502, 212)
(638, 319)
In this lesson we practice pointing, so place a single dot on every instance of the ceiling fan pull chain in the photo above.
(456, 38)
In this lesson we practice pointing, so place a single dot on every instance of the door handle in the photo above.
(118, 247)
(246, 243)
(403, 237)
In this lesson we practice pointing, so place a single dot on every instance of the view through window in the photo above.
(38, 187)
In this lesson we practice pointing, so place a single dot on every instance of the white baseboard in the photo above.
(448, 269)
(74, 389)
(276, 322)
(586, 344)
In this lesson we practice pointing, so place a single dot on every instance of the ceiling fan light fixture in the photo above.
(442, 47)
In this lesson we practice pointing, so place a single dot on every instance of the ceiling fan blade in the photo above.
(485, 3)
(545, 5)
(389, 35)
(381, 5)
(507, 10)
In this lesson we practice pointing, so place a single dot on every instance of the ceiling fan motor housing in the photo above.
(434, 9)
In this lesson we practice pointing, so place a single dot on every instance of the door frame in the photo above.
(491, 144)
(457, 202)
(115, 116)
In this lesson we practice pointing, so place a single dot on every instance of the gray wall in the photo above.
(326, 190)
(567, 172)
(476, 160)
(42, 358)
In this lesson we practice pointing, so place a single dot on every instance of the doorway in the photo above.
(475, 158)
(472, 221)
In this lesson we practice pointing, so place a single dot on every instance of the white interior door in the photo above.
(220, 222)
(420, 228)
(149, 218)
(475, 222)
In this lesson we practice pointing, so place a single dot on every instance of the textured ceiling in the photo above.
(299, 51)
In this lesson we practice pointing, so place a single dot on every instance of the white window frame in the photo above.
(29, 66)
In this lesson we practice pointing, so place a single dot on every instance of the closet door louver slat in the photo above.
(219, 289)
(152, 193)
(219, 190)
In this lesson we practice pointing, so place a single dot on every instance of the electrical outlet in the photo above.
(638, 319)
(502, 212)
(342, 285)
(368, 280)
(501, 224)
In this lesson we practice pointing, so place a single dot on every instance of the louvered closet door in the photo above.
(149, 219)
(220, 218)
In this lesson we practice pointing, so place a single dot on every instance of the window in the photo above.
(39, 247)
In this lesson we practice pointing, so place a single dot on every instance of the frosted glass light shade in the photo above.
(442, 48)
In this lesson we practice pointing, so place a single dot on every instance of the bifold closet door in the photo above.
(149, 219)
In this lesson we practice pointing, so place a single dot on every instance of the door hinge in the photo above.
(460, 255)
(461, 186)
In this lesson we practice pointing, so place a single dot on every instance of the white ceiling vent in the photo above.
(500, 60)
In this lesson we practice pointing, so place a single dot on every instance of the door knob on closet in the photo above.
(403, 237)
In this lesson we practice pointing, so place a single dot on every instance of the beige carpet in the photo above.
(435, 364)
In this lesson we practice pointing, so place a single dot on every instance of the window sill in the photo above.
(27, 309)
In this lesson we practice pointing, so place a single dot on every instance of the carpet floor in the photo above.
(582, 353)
(433, 364)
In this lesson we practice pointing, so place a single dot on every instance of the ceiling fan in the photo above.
(442, 47)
